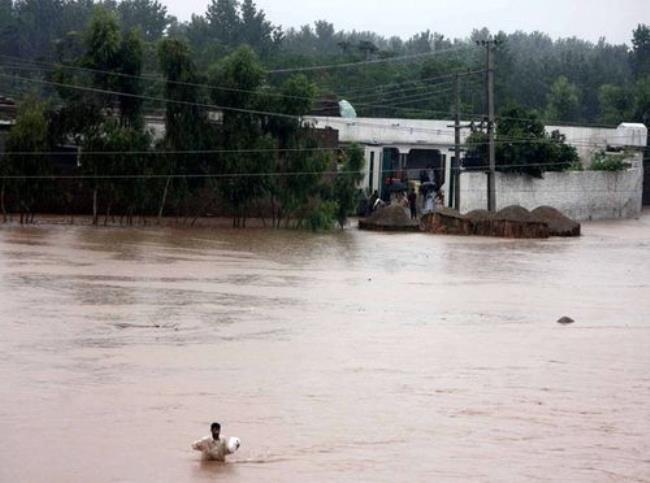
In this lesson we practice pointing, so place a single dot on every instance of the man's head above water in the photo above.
(215, 428)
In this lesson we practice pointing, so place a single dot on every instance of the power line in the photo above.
(155, 79)
(398, 85)
(165, 153)
(276, 94)
(257, 174)
(367, 62)
(207, 86)
(216, 107)
(156, 99)
(82, 153)
(416, 97)
(196, 104)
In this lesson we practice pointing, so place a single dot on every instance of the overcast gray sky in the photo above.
(588, 19)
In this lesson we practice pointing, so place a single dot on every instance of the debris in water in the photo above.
(566, 321)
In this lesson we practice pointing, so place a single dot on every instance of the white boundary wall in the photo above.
(581, 195)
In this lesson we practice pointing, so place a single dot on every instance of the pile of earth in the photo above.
(389, 218)
(480, 215)
(446, 221)
(516, 213)
(511, 222)
(558, 223)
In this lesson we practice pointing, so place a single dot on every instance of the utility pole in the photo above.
(456, 165)
(490, 47)
(454, 195)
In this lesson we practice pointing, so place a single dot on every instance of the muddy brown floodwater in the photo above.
(342, 357)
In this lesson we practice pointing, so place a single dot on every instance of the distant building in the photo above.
(409, 146)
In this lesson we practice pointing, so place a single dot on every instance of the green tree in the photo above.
(616, 104)
(255, 29)
(563, 102)
(224, 20)
(523, 145)
(345, 190)
(641, 51)
(237, 80)
(150, 16)
(642, 100)
(29, 135)
(186, 127)
(130, 66)
(103, 54)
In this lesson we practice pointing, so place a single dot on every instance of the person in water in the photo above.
(214, 447)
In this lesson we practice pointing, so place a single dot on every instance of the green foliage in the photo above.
(563, 102)
(567, 80)
(29, 135)
(616, 104)
(523, 146)
(224, 21)
(609, 162)
(321, 217)
(103, 47)
(131, 59)
(641, 51)
(528, 64)
(149, 16)
(345, 190)
(642, 100)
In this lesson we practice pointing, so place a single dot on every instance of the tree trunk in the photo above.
(95, 205)
(163, 200)
(2, 203)
(108, 212)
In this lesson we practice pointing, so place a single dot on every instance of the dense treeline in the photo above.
(86, 72)
(567, 80)
(242, 162)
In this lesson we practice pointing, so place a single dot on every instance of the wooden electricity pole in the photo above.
(454, 202)
(456, 165)
(490, 47)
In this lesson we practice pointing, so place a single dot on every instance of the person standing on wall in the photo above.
(413, 203)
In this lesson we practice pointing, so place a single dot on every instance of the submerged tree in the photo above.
(345, 190)
(25, 161)
(185, 123)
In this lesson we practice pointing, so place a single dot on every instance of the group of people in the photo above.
(431, 197)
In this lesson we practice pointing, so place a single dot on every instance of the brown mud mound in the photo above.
(515, 213)
(389, 218)
(511, 222)
(514, 222)
(446, 221)
(558, 223)
(479, 215)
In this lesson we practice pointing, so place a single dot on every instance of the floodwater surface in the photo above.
(339, 357)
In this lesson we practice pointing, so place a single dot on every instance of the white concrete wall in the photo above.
(587, 140)
(591, 140)
(416, 132)
(581, 195)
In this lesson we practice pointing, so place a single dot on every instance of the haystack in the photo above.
(389, 218)
(558, 223)
(446, 221)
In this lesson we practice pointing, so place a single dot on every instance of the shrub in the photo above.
(609, 162)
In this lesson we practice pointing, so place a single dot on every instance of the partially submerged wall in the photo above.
(581, 195)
